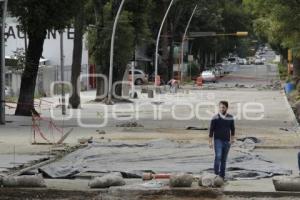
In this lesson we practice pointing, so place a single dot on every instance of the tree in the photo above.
(276, 21)
(36, 17)
(17, 61)
(221, 17)
(132, 29)
(79, 27)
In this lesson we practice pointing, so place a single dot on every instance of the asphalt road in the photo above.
(254, 101)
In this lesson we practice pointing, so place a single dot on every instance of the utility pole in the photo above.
(157, 43)
(109, 99)
(3, 4)
(62, 75)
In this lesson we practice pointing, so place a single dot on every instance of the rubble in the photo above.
(196, 128)
(101, 132)
(162, 156)
(85, 140)
(106, 181)
(129, 124)
(153, 184)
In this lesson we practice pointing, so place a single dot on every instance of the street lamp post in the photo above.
(157, 43)
(62, 75)
(109, 99)
(183, 40)
(3, 5)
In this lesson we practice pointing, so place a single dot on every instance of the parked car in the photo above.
(242, 61)
(216, 72)
(258, 61)
(209, 76)
(250, 60)
(140, 77)
(7, 91)
(233, 60)
(219, 71)
(225, 66)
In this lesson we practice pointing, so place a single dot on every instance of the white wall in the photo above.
(15, 39)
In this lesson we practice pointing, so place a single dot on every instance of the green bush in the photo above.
(283, 71)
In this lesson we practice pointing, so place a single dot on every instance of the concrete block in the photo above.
(181, 180)
(23, 181)
(287, 183)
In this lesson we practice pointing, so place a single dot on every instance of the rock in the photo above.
(102, 132)
(287, 183)
(200, 181)
(23, 181)
(85, 140)
(106, 181)
(181, 180)
(218, 182)
(212, 180)
(1, 179)
(129, 124)
(208, 180)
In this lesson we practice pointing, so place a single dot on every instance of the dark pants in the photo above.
(221, 153)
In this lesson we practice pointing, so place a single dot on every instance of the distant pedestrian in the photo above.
(221, 136)
(173, 83)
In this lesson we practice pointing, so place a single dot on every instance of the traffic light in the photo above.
(241, 34)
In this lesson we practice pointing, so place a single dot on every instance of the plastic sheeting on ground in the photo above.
(160, 156)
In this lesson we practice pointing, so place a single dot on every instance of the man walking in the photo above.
(221, 136)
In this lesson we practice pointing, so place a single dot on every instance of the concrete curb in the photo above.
(32, 193)
(176, 192)
(290, 110)
(127, 193)
(261, 194)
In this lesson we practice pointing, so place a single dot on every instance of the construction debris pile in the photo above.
(160, 156)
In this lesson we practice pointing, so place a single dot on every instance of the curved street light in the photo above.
(183, 39)
(157, 42)
(109, 99)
